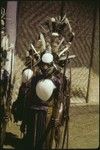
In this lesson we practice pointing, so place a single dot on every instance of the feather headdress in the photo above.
(53, 37)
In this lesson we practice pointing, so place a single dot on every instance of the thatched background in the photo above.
(83, 20)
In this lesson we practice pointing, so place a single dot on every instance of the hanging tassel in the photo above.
(54, 27)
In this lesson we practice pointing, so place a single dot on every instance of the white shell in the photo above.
(47, 58)
(44, 89)
(27, 75)
(53, 19)
(55, 34)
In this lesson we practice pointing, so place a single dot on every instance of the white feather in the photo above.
(67, 22)
(60, 44)
(35, 50)
(43, 41)
(65, 49)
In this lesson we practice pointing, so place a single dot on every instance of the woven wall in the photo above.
(81, 16)
(81, 13)
(30, 15)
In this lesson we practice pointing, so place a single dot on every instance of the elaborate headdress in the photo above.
(54, 41)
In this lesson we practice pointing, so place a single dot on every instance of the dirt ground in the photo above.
(83, 129)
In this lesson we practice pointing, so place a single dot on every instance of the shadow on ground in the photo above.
(83, 130)
(13, 141)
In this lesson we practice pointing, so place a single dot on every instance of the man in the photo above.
(46, 90)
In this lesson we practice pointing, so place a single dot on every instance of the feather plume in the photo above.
(43, 41)
(57, 48)
(65, 49)
(67, 22)
(35, 50)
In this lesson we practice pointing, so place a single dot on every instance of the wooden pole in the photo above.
(92, 52)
